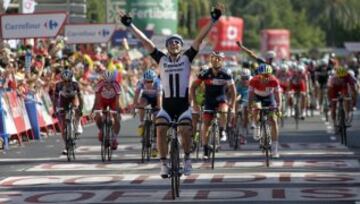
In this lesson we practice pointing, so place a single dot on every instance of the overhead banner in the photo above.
(158, 15)
(40, 25)
(225, 33)
(89, 33)
(277, 40)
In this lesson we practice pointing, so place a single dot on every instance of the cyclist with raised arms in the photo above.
(175, 70)
(217, 80)
(148, 92)
(264, 90)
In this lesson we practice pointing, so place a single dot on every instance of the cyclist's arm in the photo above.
(200, 37)
(147, 43)
(232, 92)
(247, 51)
(193, 87)
(159, 100)
(136, 97)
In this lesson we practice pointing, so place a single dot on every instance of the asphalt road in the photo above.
(313, 168)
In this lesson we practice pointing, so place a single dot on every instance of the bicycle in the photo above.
(175, 171)
(70, 143)
(235, 136)
(106, 131)
(148, 134)
(297, 108)
(214, 135)
(325, 105)
(341, 118)
(265, 136)
(197, 140)
(284, 108)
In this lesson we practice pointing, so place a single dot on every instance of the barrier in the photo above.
(19, 116)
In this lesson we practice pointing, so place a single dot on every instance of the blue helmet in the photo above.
(149, 75)
(264, 69)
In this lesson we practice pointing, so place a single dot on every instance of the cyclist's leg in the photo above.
(223, 107)
(270, 102)
(78, 126)
(99, 118)
(143, 101)
(162, 144)
(204, 133)
(195, 118)
(332, 95)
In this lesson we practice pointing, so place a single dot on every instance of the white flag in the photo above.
(6, 4)
(28, 6)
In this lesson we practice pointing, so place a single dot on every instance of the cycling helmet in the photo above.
(67, 74)
(264, 69)
(341, 72)
(270, 54)
(352, 73)
(300, 68)
(284, 67)
(149, 75)
(108, 76)
(245, 72)
(174, 37)
(218, 54)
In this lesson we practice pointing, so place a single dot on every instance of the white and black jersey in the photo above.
(174, 77)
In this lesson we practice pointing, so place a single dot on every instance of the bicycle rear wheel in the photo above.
(266, 145)
(297, 113)
(108, 141)
(175, 169)
(69, 143)
(103, 143)
(213, 137)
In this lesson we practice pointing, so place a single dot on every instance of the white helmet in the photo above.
(245, 72)
(108, 76)
(351, 72)
(301, 68)
(270, 54)
(284, 67)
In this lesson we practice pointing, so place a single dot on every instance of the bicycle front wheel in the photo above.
(266, 145)
(175, 169)
(103, 143)
(69, 142)
(214, 135)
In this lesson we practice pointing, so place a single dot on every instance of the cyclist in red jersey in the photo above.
(341, 82)
(107, 93)
(298, 83)
(264, 90)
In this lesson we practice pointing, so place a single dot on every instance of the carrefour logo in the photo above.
(104, 32)
(51, 24)
(22, 26)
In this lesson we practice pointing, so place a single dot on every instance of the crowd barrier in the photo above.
(30, 115)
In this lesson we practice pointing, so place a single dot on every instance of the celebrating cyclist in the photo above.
(107, 93)
(148, 92)
(174, 74)
(264, 90)
(67, 91)
(217, 80)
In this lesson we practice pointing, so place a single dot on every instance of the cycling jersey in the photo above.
(298, 82)
(215, 86)
(322, 74)
(65, 93)
(264, 87)
(340, 84)
(154, 91)
(175, 76)
(108, 93)
(243, 90)
(283, 78)
(149, 94)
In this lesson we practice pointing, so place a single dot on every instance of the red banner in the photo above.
(225, 33)
(17, 111)
(277, 40)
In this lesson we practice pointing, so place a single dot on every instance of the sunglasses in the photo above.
(174, 41)
(245, 77)
(148, 82)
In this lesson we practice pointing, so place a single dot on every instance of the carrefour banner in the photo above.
(157, 15)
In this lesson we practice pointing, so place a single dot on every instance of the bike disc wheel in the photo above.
(103, 144)
(175, 167)
(214, 131)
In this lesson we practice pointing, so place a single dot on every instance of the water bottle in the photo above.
(28, 59)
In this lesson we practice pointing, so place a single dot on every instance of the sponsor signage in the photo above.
(39, 25)
(277, 40)
(89, 33)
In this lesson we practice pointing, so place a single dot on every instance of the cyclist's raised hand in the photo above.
(217, 12)
(125, 18)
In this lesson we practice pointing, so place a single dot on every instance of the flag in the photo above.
(28, 6)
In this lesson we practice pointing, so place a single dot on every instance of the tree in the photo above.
(96, 11)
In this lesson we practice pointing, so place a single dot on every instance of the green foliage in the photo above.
(312, 23)
(96, 11)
